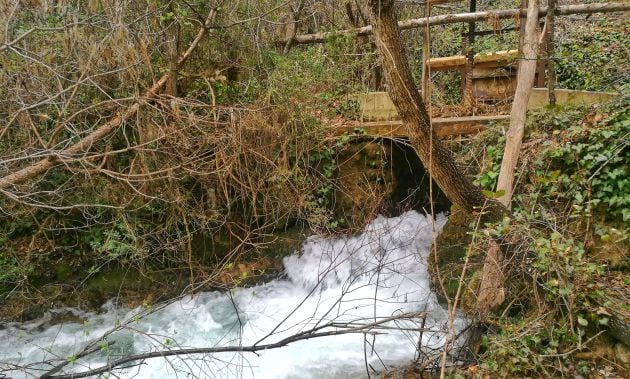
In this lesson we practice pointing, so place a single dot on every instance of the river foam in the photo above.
(362, 279)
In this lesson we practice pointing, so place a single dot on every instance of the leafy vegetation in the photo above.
(591, 167)
(593, 57)
(568, 208)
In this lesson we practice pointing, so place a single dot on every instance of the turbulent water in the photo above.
(347, 281)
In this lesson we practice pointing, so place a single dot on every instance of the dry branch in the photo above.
(465, 17)
(551, 65)
(315, 332)
(86, 143)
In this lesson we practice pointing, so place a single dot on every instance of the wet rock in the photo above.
(364, 181)
(447, 260)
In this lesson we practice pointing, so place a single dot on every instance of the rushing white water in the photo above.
(362, 279)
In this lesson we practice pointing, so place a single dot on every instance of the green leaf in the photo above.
(582, 321)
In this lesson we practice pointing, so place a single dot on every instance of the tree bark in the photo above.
(172, 53)
(434, 156)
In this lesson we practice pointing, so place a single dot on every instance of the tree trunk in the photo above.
(172, 52)
(434, 156)
(491, 291)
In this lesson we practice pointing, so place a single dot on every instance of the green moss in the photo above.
(451, 248)
(63, 271)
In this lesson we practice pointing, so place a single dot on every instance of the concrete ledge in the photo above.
(377, 106)
(540, 97)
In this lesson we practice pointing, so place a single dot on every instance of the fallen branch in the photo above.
(464, 17)
(316, 332)
(86, 143)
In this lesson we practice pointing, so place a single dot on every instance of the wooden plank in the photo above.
(436, 2)
(457, 62)
(443, 127)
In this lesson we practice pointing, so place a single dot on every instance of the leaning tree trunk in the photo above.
(524, 84)
(434, 156)
(491, 291)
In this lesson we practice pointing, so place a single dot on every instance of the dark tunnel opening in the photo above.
(412, 183)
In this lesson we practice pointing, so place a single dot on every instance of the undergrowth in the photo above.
(570, 210)
(257, 161)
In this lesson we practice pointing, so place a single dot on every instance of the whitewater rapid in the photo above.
(379, 273)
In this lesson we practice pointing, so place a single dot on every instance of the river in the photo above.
(344, 282)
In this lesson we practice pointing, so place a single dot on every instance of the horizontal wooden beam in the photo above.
(464, 17)
(459, 61)
(424, 2)
(443, 127)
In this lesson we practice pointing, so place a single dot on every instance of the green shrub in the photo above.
(591, 166)
(592, 58)
(10, 271)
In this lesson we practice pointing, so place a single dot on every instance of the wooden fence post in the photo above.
(524, 84)
(491, 290)
(551, 64)
(426, 43)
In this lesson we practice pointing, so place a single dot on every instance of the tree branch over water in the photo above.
(316, 332)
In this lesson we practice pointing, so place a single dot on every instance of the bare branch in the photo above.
(343, 328)
(88, 141)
